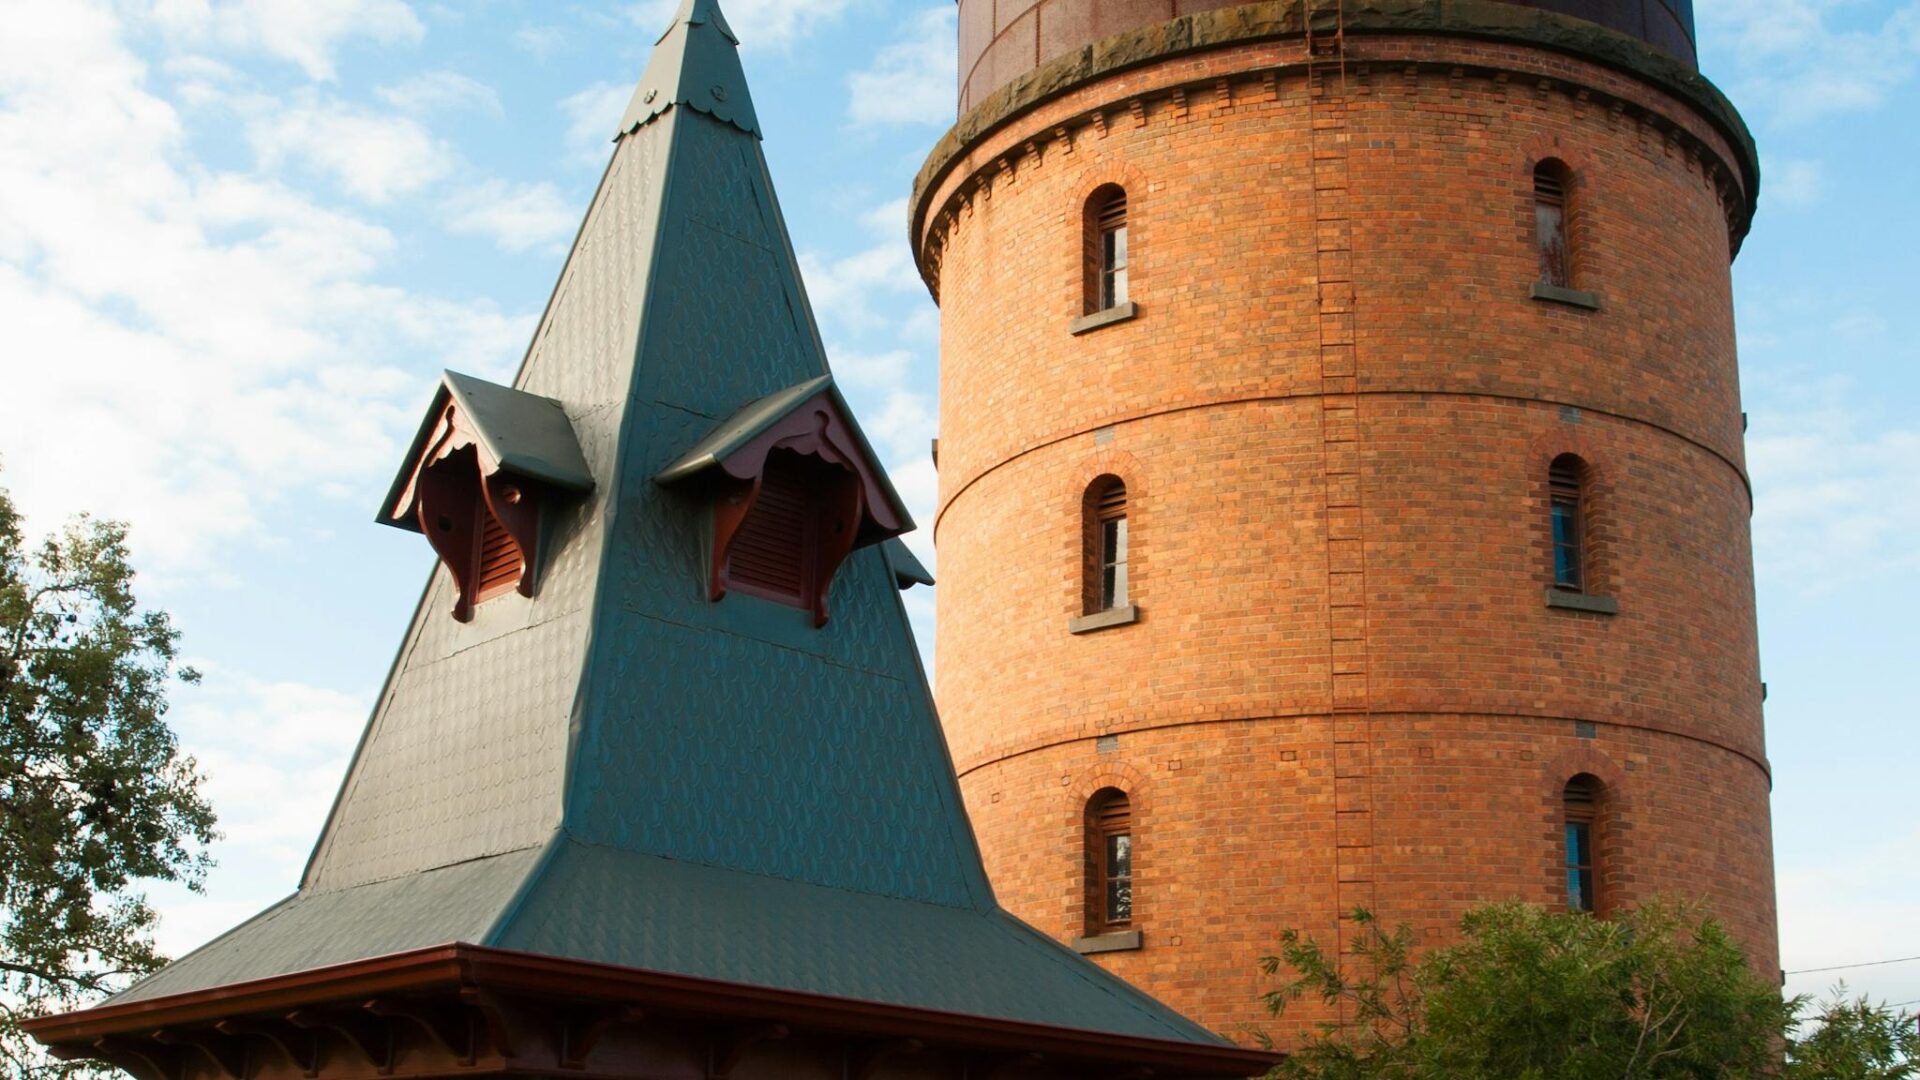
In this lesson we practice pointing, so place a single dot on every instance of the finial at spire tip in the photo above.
(698, 12)
(695, 64)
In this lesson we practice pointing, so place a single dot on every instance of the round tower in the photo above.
(1342, 496)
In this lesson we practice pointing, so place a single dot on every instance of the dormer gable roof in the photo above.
(738, 447)
(517, 432)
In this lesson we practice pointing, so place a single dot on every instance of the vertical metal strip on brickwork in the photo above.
(1329, 137)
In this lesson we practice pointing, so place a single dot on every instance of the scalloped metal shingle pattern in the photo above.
(466, 754)
(722, 323)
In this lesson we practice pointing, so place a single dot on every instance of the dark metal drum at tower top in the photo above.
(1001, 40)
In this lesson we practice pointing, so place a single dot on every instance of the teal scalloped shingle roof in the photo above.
(619, 770)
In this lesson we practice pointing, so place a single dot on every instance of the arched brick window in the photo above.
(1567, 499)
(1105, 248)
(1580, 806)
(1109, 862)
(1552, 181)
(1104, 516)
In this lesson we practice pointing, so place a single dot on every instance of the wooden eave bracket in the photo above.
(370, 1036)
(730, 1047)
(227, 1053)
(299, 1045)
(451, 1029)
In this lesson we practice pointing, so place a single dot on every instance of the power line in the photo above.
(1850, 967)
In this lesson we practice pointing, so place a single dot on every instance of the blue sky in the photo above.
(239, 238)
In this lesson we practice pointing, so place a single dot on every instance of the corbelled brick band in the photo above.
(1288, 767)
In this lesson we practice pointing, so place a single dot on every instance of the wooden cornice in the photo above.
(544, 1013)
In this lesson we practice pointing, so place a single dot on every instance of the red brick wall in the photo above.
(1209, 404)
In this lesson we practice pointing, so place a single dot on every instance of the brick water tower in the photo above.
(1342, 492)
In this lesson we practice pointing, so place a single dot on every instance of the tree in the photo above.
(1526, 994)
(94, 792)
(1857, 1040)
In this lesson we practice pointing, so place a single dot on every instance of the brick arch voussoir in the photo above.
(1541, 147)
(1109, 774)
(1568, 764)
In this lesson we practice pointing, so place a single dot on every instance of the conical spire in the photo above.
(696, 64)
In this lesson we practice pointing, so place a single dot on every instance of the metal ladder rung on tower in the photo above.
(1349, 695)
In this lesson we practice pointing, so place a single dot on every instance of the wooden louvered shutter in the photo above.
(499, 563)
(769, 555)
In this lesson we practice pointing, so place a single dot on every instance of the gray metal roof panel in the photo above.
(907, 568)
(602, 904)
(526, 433)
(318, 929)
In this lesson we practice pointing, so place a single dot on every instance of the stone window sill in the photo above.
(1576, 601)
(1115, 314)
(1100, 620)
(1122, 941)
(1579, 298)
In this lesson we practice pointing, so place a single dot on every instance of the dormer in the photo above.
(794, 488)
(486, 468)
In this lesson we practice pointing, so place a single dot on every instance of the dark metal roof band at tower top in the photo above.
(1000, 40)
(1342, 471)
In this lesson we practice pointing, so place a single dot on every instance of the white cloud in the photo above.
(1793, 182)
(1834, 498)
(517, 217)
(593, 115)
(441, 91)
(842, 289)
(187, 346)
(539, 41)
(758, 23)
(305, 32)
(370, 155)
(871, 370)
(911, 80)
(1802, 60)
(273, 754)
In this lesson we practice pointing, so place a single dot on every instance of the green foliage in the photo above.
(94, 793)
(1857, 1040)
(1375, 999)
(1657, 994)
